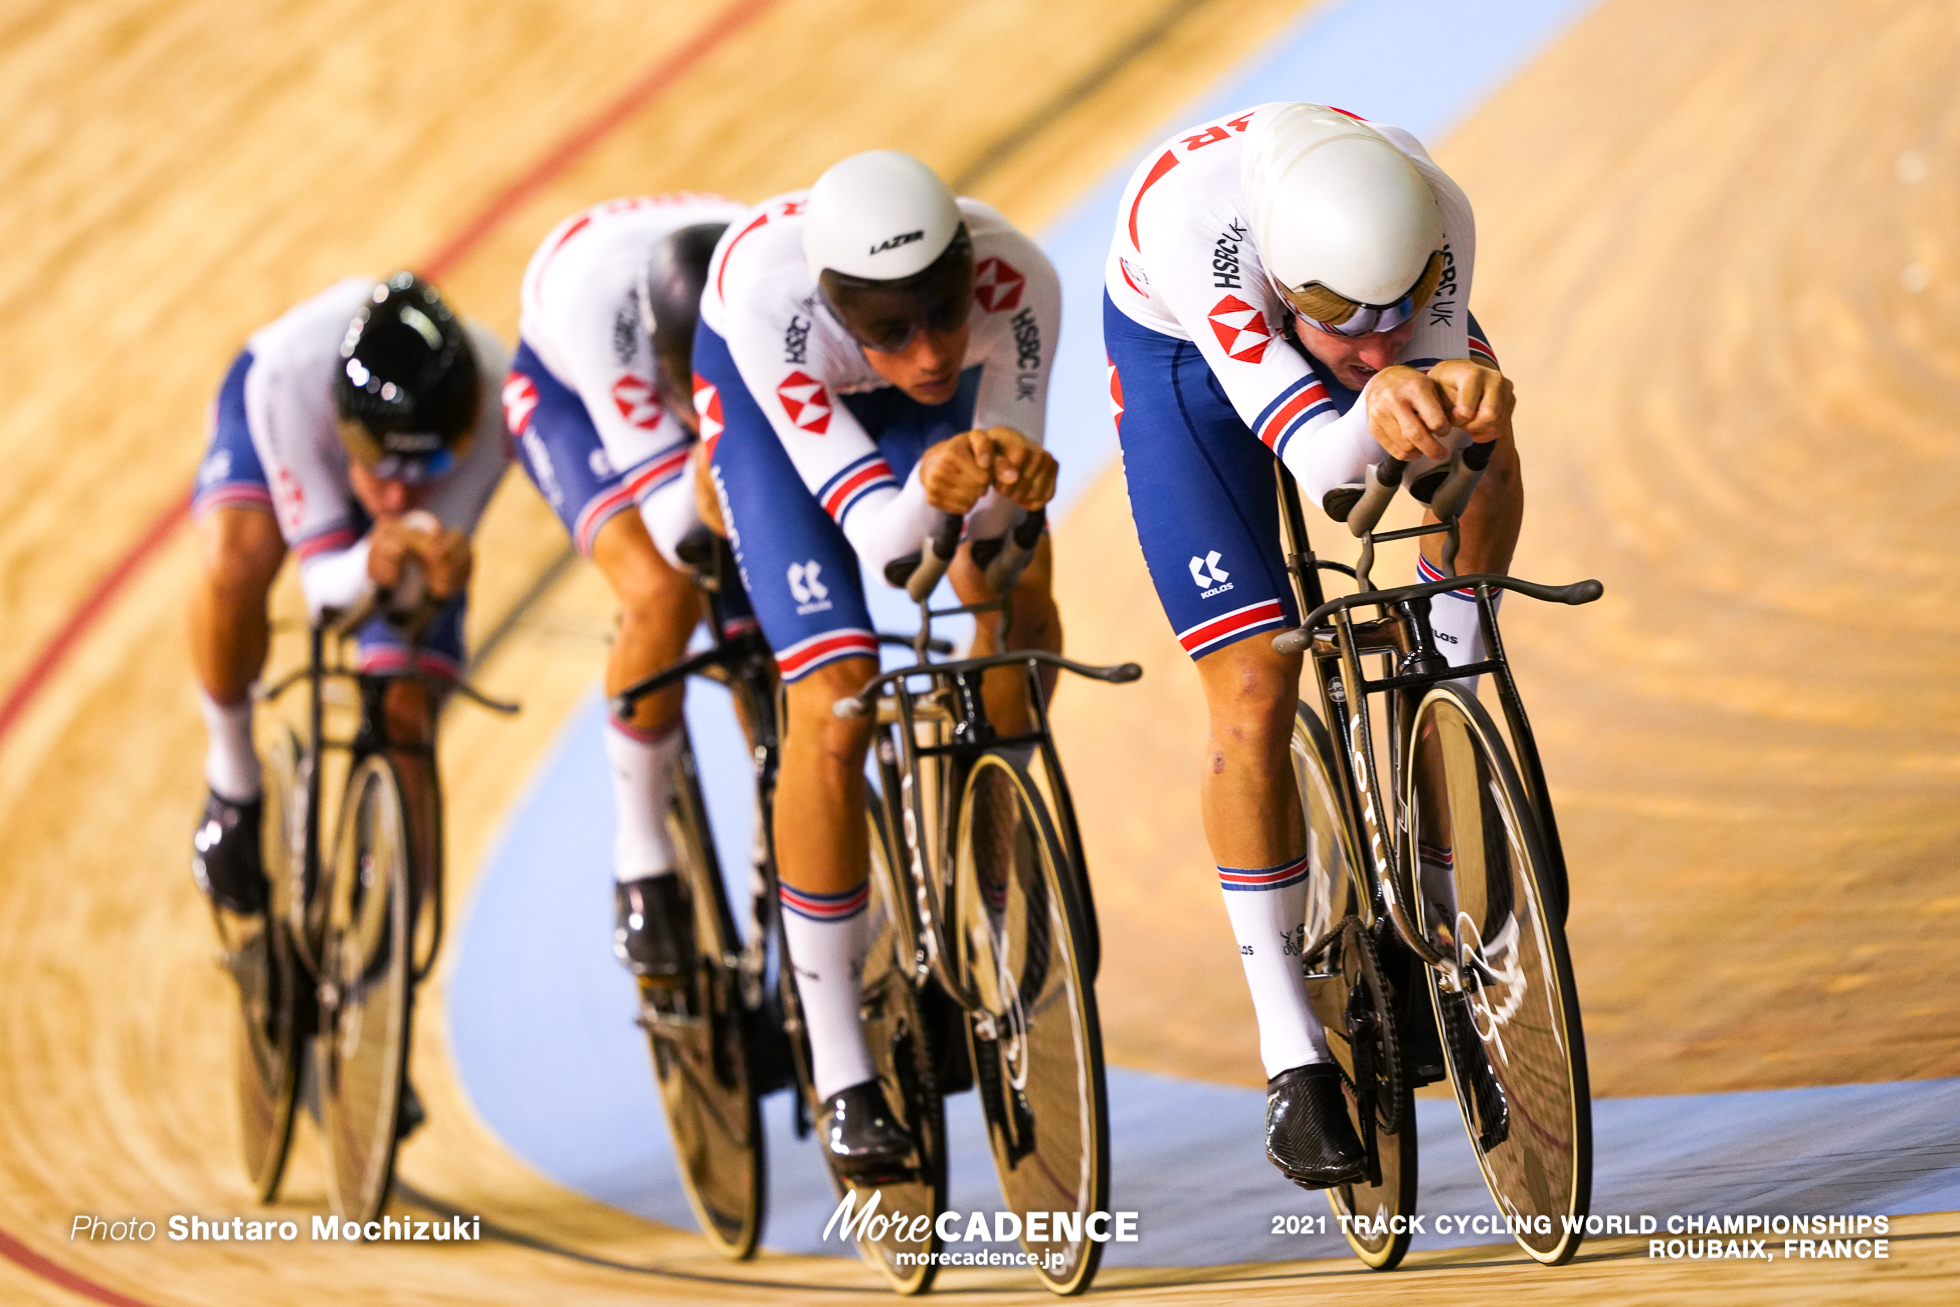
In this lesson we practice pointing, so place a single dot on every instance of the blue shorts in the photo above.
(801, 574)
(561, 451)
(562, 454)
(1202, 491)
(231, 476)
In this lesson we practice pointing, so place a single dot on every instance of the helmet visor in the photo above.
(411, 457)
(1330, 310)
(887, 316)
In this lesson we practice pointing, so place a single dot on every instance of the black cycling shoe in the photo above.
(1308, 1134)
(654, 930)
(865, 1141)
(226, 860)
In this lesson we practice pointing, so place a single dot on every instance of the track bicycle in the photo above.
(327, 973)
(984, 942)
(1434, 934)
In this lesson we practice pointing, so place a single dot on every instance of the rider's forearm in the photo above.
(893, 528)
(1332, 452)
(338, 579)
(1493, 517)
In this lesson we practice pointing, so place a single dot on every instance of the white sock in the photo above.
(827, 940)
(1453, 621)
(643, 787)
(231, 763)
(1268, 908)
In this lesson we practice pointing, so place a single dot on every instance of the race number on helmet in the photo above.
(1345, 224)
(886, 243)
(406, 389)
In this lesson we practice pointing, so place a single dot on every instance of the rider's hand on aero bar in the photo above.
(1002, 558)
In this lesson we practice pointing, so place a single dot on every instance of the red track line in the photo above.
(546, 170)
(22, 1255)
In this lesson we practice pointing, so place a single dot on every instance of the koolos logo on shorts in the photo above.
(812, 595)
(634, 396)
(997, 285)
(1217, 582)
(1241, 329)
(806, 402)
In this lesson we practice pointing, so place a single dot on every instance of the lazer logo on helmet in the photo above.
(897, 241)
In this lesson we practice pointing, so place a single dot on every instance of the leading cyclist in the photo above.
(600, 400)
(1269, 270)
(360, 430)
(873, 353)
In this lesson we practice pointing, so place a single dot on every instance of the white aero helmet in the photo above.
(885, 240)
(1343, 221)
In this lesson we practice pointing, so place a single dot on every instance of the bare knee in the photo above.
(650, 592)
(240, 550)
(841, 741)
(1250, 693)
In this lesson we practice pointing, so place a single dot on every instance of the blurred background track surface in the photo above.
(1717, 251)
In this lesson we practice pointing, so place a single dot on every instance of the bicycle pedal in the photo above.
(672, 1025)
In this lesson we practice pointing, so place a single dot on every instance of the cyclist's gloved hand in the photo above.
(956, 472)
(1023, 470)
(444, 553)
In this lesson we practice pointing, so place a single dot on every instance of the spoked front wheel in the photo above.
(1345, 985)
(366, 985)
(1504, 992)
(700, 1038)
(269, 977)
(1036, 1040)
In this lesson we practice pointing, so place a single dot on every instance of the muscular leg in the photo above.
(1257, 835)
(658, 610)
(1490, 526)
(239, 552)
(823, 858)
(1037, 625)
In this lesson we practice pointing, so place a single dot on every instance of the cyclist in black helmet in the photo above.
(600, 397)
(358, 431)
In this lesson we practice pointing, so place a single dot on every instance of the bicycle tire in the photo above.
(1036, 1042)
(1504, 997)
(366, 989)
(699, 1037)
(268, 1047)
(899, 1038)
(1363, 1042)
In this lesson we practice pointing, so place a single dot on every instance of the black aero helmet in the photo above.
(406, 388)
(676, 273)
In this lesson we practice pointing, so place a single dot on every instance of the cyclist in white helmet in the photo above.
(873, 354)
(1289, 282)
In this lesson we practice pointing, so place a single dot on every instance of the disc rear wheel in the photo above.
(700, 1041)
(1504, 994)
(1355, 1005)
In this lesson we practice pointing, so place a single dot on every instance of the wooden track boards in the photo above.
(1695, 222)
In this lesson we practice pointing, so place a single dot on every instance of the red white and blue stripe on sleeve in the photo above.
(825, 907)
(1480, 348)
(1264, 878)
(859, 478)
(1297, 405)
(633, 488)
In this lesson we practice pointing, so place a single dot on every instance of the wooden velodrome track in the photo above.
(1717, 252)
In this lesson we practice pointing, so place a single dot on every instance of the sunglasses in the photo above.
(1332, 311)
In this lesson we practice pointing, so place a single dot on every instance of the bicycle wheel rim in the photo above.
(1036, 1041)
(896, 1033)
(699, 1039)
(362, 1048)
(267, 1048)
(1505, 998)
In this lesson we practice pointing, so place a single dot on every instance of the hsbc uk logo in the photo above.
(811, 595)
(997, 285)
(1210, 577)
(805, 402)
(634, 398)
(707, 409)
(1241, 329)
